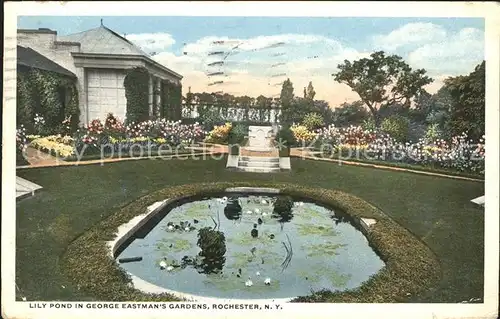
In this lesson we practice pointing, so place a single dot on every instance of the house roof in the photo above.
(102, 40)
(31, 58)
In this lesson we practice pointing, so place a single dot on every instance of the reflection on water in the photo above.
(253, 247)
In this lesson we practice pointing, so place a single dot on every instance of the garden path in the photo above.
(36, 158)
(46, 160)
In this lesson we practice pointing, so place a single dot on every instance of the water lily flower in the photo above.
(171, 227)
(249, 212)
(257, 273)
(249, 283)
(267, 281)
(263, 202)
(170, 268)
(264, 214)
(257, 211)
(187, 229)
(163, 264)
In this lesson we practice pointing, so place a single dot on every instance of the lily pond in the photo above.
(250, 247)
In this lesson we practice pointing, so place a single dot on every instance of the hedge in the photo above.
(136, 85)
(411, 267)
(171, 100)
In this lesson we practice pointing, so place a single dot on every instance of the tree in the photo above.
(382, 80)
(324, 109)
(350, 114)
(286, 98)
(286, 95)
(310, 93)
(467, 112)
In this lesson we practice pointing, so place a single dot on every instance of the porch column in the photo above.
(158, 98)
(150, 99)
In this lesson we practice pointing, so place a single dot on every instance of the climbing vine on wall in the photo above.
(51, 95)
(25, 102)
(171, 100)
(136, 85)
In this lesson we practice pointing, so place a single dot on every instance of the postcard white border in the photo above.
(490, 11)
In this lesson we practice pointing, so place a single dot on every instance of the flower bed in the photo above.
(113, 139)
(302, 134)
(460, 154)
(219, 134)
(21, 141)
(57, 145)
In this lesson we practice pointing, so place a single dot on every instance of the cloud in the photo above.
(258, 65)
(152, 42)
(255, 65)
(410, 34)
(458, 54)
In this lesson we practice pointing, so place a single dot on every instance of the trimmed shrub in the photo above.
(137, 93)
(313, 121)
(171, 101)
(397, 127)
(238, 134)
(285, 139)
(433, 132)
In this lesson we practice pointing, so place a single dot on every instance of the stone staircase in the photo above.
(259, 156)
(259, 164)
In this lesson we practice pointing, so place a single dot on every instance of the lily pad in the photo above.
(339, 280)
(312, 229)
(325, 249)
(245, 239)
(309, 214)
(178, 245)
(226, 282)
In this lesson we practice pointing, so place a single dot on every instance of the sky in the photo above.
(261, 52)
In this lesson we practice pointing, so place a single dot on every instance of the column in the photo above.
(158, 98)
(150, 99)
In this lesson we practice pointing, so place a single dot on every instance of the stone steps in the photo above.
(259, 159)
(259, 169)
(259, 164)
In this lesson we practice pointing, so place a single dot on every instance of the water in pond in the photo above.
(306, 248)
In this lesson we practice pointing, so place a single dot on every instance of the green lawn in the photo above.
(435, 209)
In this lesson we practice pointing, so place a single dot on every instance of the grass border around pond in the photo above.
(411, 267)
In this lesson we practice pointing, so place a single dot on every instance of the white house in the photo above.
(99, 58)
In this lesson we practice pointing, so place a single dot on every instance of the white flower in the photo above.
(163, 264)
(257, 273)
(257, 211)
(170, 268)
(263, 202)
(249, 212)
(267, 281)
(248, 283)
